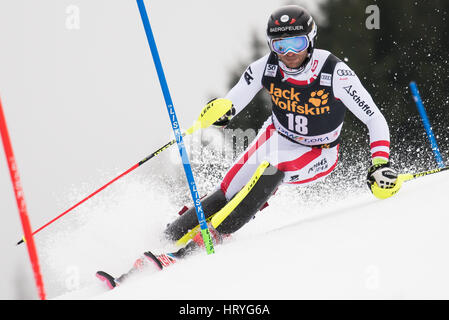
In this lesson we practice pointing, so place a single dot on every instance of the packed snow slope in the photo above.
(354, 247)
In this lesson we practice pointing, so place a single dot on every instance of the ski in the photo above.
(106, 278)
(148, 259)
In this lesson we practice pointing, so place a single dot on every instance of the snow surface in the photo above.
(349, 247)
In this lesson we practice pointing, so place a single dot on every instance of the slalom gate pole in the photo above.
(100, 189)
(21, 205)
(426, 123)
(175, 126)
(211, 113)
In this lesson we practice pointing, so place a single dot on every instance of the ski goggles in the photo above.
(292, 44)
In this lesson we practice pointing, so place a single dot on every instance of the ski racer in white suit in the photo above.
(311, 90)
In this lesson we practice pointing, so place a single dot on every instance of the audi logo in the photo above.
(343, 73)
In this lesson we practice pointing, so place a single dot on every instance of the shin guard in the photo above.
(251, 199)
(188, 220)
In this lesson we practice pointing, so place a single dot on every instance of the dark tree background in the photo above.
(411, 44)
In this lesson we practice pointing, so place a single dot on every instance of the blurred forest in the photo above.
(411, 44)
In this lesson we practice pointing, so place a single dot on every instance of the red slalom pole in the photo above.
(207, 117)
(15, 178)
(101, 188)
(25, 238)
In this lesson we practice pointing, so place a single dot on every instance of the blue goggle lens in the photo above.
(294, 44)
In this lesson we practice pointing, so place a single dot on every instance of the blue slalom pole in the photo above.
(426, 123)
(176, 129)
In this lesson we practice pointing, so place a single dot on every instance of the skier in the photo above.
(310, 89)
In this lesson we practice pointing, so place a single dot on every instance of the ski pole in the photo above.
(210, 113)
(384, 193)
(175, 126)
(411, 176)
